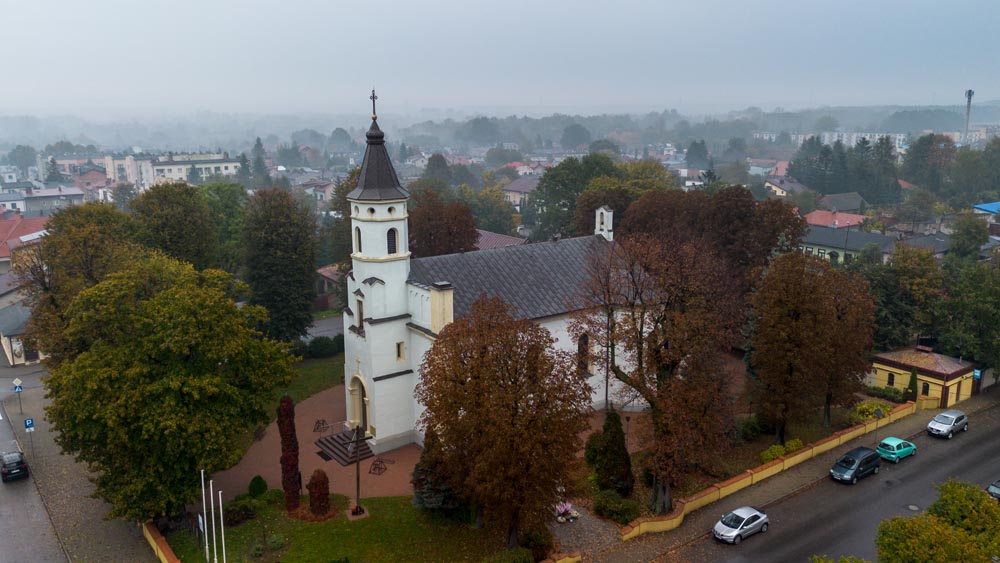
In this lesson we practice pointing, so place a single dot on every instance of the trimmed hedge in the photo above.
(772, 453)
(239, 510)
(609, 504)
(888, 393)
(793, 445)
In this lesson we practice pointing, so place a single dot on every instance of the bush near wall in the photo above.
(609, 504)
(888, 393)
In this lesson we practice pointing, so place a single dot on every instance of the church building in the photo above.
(397, 305)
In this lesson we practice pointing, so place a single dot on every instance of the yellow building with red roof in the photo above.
(944, 377)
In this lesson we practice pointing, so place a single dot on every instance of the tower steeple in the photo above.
(378, 180)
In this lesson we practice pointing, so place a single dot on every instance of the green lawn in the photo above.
(313, 377)
(395, 531)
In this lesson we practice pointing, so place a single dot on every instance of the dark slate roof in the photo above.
(788, 185)
(13, 319)
(938, 243)
(538, 280)
(846, 238)
(522, 185)
(378, 180)
(850, 201)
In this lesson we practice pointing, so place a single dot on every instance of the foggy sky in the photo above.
(120, 58)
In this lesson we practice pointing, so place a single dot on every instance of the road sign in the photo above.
(17, 381)
(977, 373)
(29, 425)
(18, 388)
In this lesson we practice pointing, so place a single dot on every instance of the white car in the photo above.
(740, 523)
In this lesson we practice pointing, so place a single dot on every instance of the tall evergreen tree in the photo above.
(279, 241)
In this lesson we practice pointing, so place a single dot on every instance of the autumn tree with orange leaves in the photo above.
(811, 336)
(507, 409)
(661, 312)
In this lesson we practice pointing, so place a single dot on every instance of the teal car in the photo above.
(894, 449)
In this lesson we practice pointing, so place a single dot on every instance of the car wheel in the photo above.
(763, 528)
(950, 434)
(896, 460)
(876, 470)
(854, 480)
(913, 453)
(737, 539)
(966, 427)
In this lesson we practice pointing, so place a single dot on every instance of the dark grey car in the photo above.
(855, 464)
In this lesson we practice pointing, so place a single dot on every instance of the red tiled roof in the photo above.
(906, 185)
(489, 240)
(780, 169)
(834, 219)
(11, 231)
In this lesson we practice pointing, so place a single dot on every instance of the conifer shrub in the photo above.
(258, 486)
(609, 504)
(592, 448)
(772, 453)
(613, 465)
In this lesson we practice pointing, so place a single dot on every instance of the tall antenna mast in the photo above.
(968, 110)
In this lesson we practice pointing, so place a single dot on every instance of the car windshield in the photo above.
(944, 419)
(887, 446)
(994, 488)
(848, 462)
(731, 520)
(11, 459)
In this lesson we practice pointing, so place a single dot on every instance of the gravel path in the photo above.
(588, 534)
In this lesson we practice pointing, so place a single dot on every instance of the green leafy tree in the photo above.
(555, 197)
(925, 539)
(437, 169)
(490, 208)
(928, 163)
(24, 157)
(826, 123)
(967, 507)
(575, 136)
(52, 173)
(244, 174)
(605, 146)
(487, 378)
(969, 234)
(279, 243)
(161, 350)
(966, 315)
(85, 243)
(498, 156)
(696, 155)
(227, 201)
(261, 176)
(602, 191)
(176, 219)
(193, 176)
(340, 140)
(123, 194)
(612, 463)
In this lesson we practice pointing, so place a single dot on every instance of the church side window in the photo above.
(390, 241)
(583, 352)
(400, 352)
(357, 238)
(361, 315)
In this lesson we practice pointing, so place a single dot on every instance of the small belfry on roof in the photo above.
(377, 180)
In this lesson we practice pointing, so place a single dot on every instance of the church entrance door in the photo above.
(359, 403)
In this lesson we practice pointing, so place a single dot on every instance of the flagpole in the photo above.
(204, 515)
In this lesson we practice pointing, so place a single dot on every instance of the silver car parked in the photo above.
(740, 523)
(947, 423)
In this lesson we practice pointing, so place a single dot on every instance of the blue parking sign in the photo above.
(29, 423)
(977, 373)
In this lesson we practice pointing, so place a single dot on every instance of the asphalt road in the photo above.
(838, 519)
(27, 535)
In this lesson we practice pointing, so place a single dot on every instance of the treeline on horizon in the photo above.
(231, 132)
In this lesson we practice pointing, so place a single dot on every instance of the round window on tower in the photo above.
(356, 211)
(392, 211)
(371, 210)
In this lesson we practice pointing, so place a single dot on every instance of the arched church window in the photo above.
(925, 389)
(583, 353)
(357, 239)
(390, 241)
(602, 219)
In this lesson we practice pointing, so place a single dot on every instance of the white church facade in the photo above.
(397, 305)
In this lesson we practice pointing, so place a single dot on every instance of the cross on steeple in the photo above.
(373, 97)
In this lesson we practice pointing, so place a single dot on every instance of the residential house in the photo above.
(132, 169)
(518, 191)
(851, 202)
(987, 211)
(937, 243)
(780, 169)
(761, 167)
(321, 191)
(16, 231)
(13, 321)
(783, 187)
(48, 200)
(488, 240)
(834, 219)
(949, 379)
(843, 245)
(9, 174)
(13, 201)
(177, 168)
(92, 178)
(399, 304)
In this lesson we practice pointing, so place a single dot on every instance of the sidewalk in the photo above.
(650, 547)
(76, 517)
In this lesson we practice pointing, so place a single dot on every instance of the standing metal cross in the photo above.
(373, 97)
